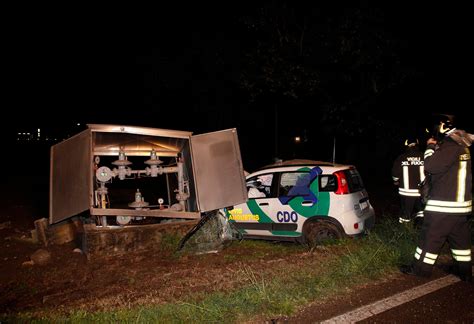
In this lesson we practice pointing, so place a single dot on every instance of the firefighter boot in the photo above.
(465, 271)
(412, 270)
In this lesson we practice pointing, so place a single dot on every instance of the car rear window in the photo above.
(354, 179)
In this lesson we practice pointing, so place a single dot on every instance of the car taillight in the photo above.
(342, 184)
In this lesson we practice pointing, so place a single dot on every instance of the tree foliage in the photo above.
(340, 61)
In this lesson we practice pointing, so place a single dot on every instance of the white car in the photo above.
(304, 200)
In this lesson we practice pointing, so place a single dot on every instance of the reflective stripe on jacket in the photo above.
(451, 178)
(407, 170)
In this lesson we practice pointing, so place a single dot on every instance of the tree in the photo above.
(338, 62)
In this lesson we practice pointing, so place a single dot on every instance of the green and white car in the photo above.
(304, 200)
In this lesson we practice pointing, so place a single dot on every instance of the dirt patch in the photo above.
(69, 281)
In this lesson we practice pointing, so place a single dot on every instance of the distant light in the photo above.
(39, 130)
(297, 139)
(19, 134)
(78, 124)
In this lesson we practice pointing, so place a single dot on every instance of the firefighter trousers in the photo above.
(409, 206)
(436, 230)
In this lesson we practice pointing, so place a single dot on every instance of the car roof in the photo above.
(297, 163)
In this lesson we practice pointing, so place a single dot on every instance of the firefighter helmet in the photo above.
(442, 125)
(411, 141)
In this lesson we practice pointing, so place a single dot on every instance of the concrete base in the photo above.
(99, 241)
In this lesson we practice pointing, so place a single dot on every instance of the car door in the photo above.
(293, 194)
(253, 217)
(299, 198)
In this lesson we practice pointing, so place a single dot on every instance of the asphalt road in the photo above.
(397, 299)
(452, 304)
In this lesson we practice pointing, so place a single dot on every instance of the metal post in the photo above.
(334, 151)
(276, 131)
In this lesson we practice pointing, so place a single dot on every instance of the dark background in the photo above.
(363, 76)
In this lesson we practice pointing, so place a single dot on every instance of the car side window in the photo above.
(260, 186)
(294, 184)
(327, 183)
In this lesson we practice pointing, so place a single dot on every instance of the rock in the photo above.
(27, 264)
(77, 250)
(5, 225)
(34, 236)
(41, 257)
(41, 227)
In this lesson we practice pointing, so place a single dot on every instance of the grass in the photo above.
(266, 295)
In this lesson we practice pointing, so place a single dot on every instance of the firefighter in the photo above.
(407, 173)
(448, 209)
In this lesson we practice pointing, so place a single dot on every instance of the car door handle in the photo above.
(263, 204)
(307, 203)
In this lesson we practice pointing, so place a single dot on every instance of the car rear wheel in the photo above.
(321, 232)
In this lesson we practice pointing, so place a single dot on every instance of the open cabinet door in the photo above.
(70, 177)
(218, 170)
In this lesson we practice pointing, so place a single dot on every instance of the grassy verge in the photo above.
(347, 263)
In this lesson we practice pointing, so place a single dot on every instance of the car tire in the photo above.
(320, 232)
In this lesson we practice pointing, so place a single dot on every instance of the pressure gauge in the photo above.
(160, 201)
(97, 159)
(103, 174)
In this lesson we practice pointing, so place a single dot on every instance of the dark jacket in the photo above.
(449, 165)
(407, 170)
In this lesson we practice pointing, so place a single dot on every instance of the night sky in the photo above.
(366, 76)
